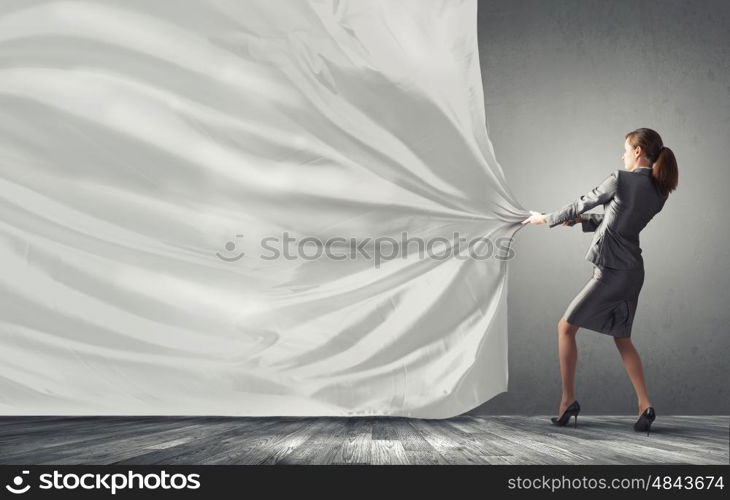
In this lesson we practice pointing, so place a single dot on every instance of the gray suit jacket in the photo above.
(630, 199)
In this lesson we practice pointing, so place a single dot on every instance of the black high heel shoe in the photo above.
(570, 411)
(645, 420)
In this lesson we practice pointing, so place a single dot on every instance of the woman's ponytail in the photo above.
(665, 171)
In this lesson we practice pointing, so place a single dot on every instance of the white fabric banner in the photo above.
(155, 156)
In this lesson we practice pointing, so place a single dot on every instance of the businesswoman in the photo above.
(607, 303)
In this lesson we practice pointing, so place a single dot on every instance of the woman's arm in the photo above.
(596, 196)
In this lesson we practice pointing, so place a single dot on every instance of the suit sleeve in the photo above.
(596, 196)
(590, 222)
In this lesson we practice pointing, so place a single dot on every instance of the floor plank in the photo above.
(466, 439)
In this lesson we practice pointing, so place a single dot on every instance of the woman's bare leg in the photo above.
(632, 363)
(568, 352)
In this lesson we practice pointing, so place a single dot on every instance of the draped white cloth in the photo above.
(149, 149)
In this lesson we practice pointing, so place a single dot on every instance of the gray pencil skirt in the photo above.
(607, 303)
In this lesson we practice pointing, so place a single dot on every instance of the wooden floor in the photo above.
(362, 440)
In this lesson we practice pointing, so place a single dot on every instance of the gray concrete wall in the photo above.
(564, 80)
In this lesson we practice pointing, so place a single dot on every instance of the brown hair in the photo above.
(664, 169)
